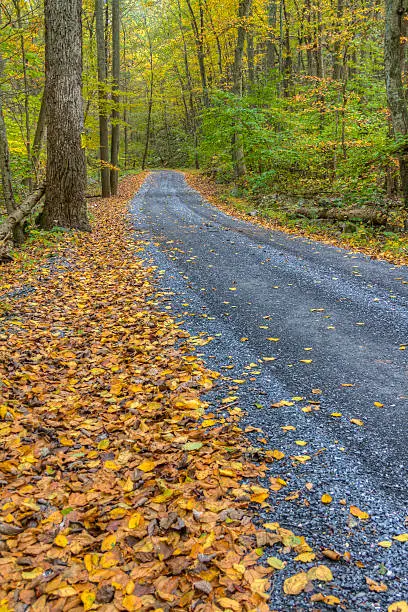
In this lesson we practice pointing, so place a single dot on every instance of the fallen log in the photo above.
(17, 216)
(367, 215)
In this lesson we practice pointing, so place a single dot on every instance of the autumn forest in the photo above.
(203, 305)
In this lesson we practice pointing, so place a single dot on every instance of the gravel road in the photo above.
(336, 323)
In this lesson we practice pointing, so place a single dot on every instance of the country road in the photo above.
(336, 324)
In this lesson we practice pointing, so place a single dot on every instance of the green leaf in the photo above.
(275, 563)
(191, 446)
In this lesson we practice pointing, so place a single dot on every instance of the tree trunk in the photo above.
(238, 156)
(5, 170)
(65, 203)
(395, 33)
(102, 97)
(28, 179)
(150, 99)
(114, 173)
(198, 30)
(38, 137)
(271, 52)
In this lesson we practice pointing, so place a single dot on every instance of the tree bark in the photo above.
(395, 33)
(102, 98)
(28, 179)
(149, 97)
(38, 137)
(271, 52)
(65, 204)
(5, 170)
(198, 30)
(115, 134)
(238, 156)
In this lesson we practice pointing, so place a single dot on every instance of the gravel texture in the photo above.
(352, 312)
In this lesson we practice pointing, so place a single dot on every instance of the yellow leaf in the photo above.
(208, 422)
(385, 544)
(190, 404)
(300, 442)
(111, 465)
(326, 498)
(61, 541)
(88, 599)
(160, 499)
(321, 572)
(329, 600)
(306, 557)
(135, 520)
(357, 422)
(378, 405)
(359, 513)
(127, 485)
(117, 513)
(336, 414)
(66, 441)
(403, 537)
(306, 360)
(33, 574)
(130, 587)
(398, 606)
(227, 400)
(273, 339)
(108, 543)
(132, 603)
(229, 604)
(103, 444)
(277, 454)
(146, 465)
(295, 584)
(301, 458)
(108, 560)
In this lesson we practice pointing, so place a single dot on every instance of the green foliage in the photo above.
(309, 144)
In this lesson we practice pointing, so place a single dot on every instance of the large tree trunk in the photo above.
(114, 173)
(102, 94)
(395, 33)
(65, 203)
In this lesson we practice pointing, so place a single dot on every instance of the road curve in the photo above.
(285, 294)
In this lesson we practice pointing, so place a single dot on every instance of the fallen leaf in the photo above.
(61, 540)
(320, 572)
(357, 422)
(326, 498)
(295, 584)
(355, 511)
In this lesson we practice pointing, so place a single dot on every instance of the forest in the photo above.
(298, 105)
(203, 305)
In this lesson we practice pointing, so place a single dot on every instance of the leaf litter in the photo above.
(119, 492)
